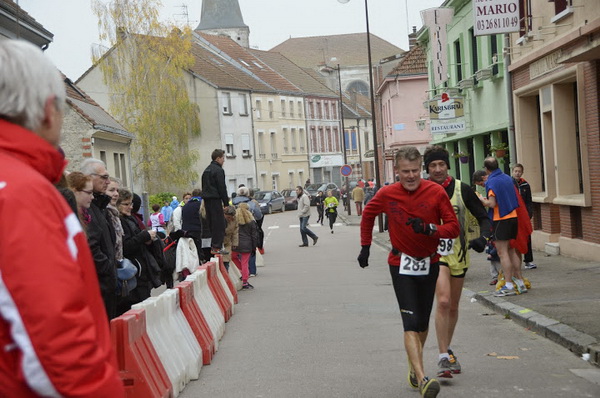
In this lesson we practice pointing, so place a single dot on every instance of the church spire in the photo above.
(224, 17)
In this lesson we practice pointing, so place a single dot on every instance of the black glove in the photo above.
(478, 244)
(180, 233)
(363, 257)
(420, 227)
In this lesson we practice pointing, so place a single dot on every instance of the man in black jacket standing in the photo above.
(101, 235)
(214, 193)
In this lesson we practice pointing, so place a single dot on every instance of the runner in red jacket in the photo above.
(54, 335)
(419, 214)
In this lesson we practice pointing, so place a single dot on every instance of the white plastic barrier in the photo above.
(224, 284)
(172, 338)
(181, 330)
(235, 275)
(208, 305)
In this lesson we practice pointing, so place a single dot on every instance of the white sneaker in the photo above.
(504, 292)
(530, 266)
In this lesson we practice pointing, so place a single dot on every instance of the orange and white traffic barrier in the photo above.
(235, 276)
(196, 319)
(140, 367)
(217, 289)
(225, 283)
(208, 304)
(173, 340)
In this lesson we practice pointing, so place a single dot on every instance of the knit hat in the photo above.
(432, 155)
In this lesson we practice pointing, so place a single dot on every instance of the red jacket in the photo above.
(428, 202)
(54, 334)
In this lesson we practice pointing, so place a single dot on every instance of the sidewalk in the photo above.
(563, 304)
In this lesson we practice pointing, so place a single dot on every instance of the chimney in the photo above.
(412, 38)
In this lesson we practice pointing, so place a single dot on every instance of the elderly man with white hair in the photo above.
(51, 312)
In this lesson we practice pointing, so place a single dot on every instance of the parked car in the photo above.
(291, 199)
(270, 201)
(312, 190)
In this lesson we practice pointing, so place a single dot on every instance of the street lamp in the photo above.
(372, 89)
(346, 191)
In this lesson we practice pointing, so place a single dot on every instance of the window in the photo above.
(334, 110)
(326, 110)
(258, 108)
(246, 146)
(319, 110)
(301, 140)
(291, 108)
(556, 175)
(358, 86)
(123, 169)
(494, 53)
(524, 17)
(300, 109)
(474, 54)
(243, 105)
(261, 145)
(273, 145)
(561, 5)
(336, 147)
(103, 156)
(458, 61)
(286, 140)
(293, 141)
(271, 114)
(229, 146)
(117, 165)
(311, 110)
(282, 108)
(227, 104)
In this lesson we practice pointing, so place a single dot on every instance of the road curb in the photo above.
(575, 341)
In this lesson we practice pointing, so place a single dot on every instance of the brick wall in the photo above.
(591, 216)
(76, 139)
(550, 218)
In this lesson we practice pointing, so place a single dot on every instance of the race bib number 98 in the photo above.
(414, 267)
(446, 247)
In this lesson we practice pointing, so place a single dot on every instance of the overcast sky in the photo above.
(271, 22)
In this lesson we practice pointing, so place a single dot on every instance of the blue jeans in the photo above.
(304, 231)
(252, 265)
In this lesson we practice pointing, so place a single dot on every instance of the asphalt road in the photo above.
(317, 325)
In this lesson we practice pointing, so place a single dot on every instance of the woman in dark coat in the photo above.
(136, 248)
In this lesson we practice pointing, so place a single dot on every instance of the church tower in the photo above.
(224, 17)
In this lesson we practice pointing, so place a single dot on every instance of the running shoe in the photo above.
(454, 364)
(412, 377)
(505, 292)
(247, 286)
(493, 282)
(429, 387)
(530, 266)
(444, 369)
(520, 285)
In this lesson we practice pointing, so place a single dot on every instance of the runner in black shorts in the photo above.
(502, 197)
(419, 214)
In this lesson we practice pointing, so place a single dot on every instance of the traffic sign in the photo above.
(346, 170)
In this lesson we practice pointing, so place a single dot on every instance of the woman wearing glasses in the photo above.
(135, 249)
(82, 187)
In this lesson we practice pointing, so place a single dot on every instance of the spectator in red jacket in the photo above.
(53, 328)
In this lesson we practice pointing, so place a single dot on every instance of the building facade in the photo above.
(555, 73)
(475, 85)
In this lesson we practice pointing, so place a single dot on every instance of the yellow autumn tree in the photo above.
(144, 70)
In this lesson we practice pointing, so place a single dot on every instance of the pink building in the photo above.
(403, 93)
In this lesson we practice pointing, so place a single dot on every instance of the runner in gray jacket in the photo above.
(304, 215)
